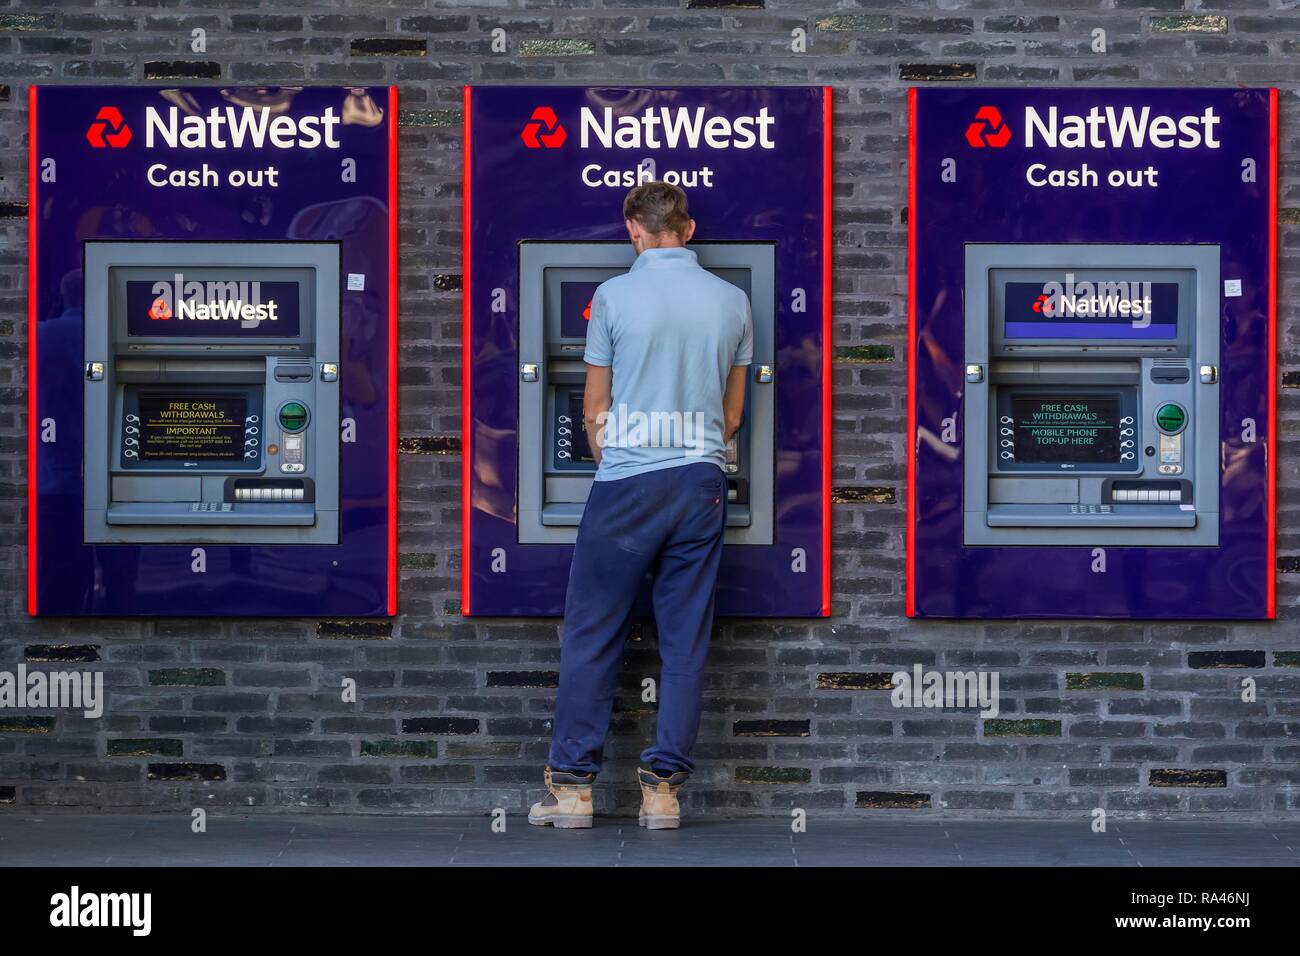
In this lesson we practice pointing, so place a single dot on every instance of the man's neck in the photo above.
(668, 241)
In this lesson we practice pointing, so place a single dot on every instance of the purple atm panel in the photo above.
(546, 170)
(1091, 356)
(212, 335)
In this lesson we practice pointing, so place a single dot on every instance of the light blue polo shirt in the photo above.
(671, 330)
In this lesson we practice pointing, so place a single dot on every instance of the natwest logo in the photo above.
(988, 129)
(239, 126)
(1101, 128)
(108, 129)
(213, 301)
(543, 129)
(671, 127)
(1122, 298)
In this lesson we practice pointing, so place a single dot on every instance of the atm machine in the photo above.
(557, 281)
(1092, 395)
(211, 393)
(546, 174)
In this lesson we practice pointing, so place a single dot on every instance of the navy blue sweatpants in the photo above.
(668, 524)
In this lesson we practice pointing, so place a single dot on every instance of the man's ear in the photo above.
(633, 229)
(690, 231)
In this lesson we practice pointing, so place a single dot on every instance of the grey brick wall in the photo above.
(453, 715)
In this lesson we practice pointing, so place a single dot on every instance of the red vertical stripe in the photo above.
(392, 350)
(1272, 354)
(828, 104)
(33, 423)
(466, 359)
(910, 533)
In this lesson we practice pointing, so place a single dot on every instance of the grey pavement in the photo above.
(337, 840)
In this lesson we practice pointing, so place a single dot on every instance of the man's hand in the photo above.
(597, 397)
(733, 401)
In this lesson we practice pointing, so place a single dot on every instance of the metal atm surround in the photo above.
(162, 505)
(1126, 369)
(551, 498)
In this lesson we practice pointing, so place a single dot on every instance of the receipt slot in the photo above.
(557, 281)
(1090, 418)
(212, 392)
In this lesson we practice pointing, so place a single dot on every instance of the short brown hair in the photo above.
(658, 207)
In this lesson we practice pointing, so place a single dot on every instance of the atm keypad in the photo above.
(251, 439)
(570, 450)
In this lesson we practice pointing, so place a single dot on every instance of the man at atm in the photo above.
(666, 353)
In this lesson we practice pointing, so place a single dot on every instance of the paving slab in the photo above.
(354, 841)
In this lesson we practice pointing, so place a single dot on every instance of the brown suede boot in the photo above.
(659, 807)
(568, 804)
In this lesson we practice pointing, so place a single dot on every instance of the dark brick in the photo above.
(429, 445)
(380, 630)
(187, 771)
(144, 747)
(841, 494)
(773, 775)
(424, 749)
(440, 725)
(927, 72)
(181, 70)
(892, 800)
(864, 354)
(1003, 727)
(435, 118)
(188, 677)
(523, 679)
(1103, 680)
(25, 724)
(61, 653)
(389, 46)
(1188, 778)
(1205, 659)
(849, 680)
(771, 728)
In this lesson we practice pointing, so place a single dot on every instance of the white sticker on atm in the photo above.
(1187, 507)
(356, 282)
(1232, 288)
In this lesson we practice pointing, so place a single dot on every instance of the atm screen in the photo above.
(1072, 309)
(191, 426)
(237, 309)
(1065, 428)
(575, 308)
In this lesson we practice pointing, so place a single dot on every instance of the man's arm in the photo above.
(597, 396)
(733, 400)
